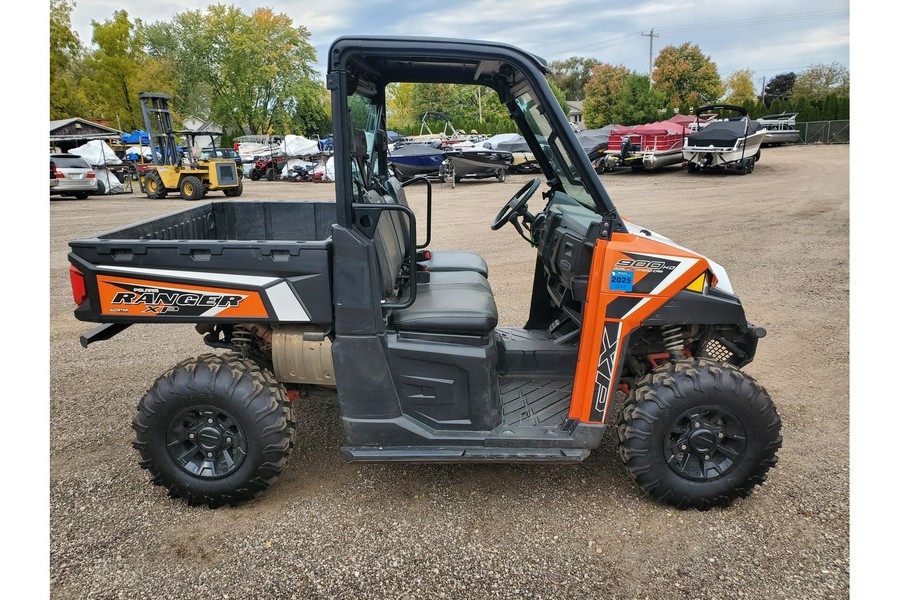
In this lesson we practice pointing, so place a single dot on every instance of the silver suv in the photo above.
(74, 175)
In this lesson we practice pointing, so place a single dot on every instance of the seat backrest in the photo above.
(388, 248)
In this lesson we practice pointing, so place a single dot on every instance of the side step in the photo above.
(463, 454)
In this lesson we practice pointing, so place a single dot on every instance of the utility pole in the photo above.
(764, 91)
(651, 35)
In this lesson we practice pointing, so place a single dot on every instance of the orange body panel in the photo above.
(655, 271)
(129, 296)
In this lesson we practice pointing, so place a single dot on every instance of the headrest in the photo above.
(358, 146)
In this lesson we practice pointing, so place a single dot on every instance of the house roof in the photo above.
(575, 105)
(80, 129)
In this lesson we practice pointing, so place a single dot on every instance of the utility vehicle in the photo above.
(295, 294)
(191, 177)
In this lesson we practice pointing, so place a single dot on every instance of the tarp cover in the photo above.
(493, 142)
(97, 152)
(136, 152)
(111, 183)
(722, 134)
(415, 150)
(516, 144)
(297, 145)
(595, 140)
(138, 136)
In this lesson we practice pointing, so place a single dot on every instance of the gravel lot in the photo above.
(333, 530)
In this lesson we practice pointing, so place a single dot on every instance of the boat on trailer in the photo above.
(780, 129)
(476, 163)
(646, 147)
(732, 143)
(410, 160)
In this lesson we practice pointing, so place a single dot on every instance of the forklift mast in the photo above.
(158, 122)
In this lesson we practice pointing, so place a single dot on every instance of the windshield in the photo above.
(562, 164)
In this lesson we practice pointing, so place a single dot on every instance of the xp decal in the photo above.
(125, 296)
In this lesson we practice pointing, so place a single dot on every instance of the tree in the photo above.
(818, 81)
(66, 98)
(118, 69)
(560, 97)
(686, 77)
(739, 87)
(571, 75)
(600, 93)
(780, 87)
(637, 103)
(255, 73)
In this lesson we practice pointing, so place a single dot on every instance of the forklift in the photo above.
(178, 172)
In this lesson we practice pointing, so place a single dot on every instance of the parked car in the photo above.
(53, 180)
(230, 153)
(74, 175)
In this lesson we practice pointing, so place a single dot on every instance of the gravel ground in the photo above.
(333, 530)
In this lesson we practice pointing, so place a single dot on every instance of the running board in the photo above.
(467, 454)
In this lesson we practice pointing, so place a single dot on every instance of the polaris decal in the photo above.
(657, 271)
(121, 296)
(606, 369)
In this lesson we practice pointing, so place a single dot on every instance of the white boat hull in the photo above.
(707, 157)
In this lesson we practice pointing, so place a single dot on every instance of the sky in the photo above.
(774, 37)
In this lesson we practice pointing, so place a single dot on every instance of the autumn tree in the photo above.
(606, 84)
(571, 74)
(739, 87)
(818, 81)
(687, 77)
(66, 98)
(118, 69)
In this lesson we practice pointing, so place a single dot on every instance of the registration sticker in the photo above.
(621, 281)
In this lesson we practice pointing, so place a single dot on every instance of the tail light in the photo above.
(60, 175)
(78, 290)
(91, 175)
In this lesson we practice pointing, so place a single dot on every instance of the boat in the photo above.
(476, 163)
(594, 142)
(523, 160)
(780, 129)
(725, 143)
(409, 160)
(646, 147)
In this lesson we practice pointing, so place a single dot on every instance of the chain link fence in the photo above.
(824, 132)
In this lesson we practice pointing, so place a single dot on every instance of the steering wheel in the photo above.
(516, 204)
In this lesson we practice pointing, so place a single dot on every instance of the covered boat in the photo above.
(594, 143)
(646, 147)
(416, 159)
(523, 160)
(725, 144)
(780, 129)
(477, 163)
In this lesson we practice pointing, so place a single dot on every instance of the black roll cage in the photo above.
(367, 64)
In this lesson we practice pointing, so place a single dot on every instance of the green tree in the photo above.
(118, 69)
(66, 98)
(637, 103)
(780, 87)
(739, 87)
(687, 77)
(254, 73)
(818, 81)
(606, 84)
(560, 97)
(571, 74)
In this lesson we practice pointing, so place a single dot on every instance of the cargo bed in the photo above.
(221, 261)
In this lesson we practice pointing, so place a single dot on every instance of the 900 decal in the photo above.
(652, 265)
(120, 296)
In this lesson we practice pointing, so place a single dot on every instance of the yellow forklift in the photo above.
(178, 172)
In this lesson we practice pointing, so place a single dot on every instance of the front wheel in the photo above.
(214, 430)
(698, 434)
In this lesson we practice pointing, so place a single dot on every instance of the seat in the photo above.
(441, 260)
(449, 308)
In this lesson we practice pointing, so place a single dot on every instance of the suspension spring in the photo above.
(673, 340)
(242, 336)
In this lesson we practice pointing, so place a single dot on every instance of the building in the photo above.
(66, 134)
(576, 114)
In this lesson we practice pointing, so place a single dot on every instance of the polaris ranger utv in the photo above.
(296, 294)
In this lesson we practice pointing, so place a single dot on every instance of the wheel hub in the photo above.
(704, 443)
(206, 442)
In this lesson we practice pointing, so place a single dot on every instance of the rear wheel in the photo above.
(235, 191)
(254, 174)
(191, 188)
(81, 195)
(692, 167)
(214, 430)
(501, 176)
(697, 434)
(270, 174)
